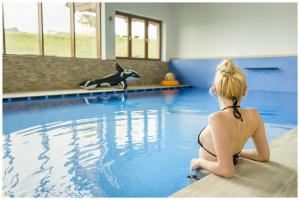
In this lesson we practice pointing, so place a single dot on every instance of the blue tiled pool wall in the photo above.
(90, 94)
(263, 73)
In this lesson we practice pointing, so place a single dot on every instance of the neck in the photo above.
(223, 103)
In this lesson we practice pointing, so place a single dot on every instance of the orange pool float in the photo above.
(169, 83)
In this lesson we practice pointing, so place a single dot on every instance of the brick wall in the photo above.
(38, 73)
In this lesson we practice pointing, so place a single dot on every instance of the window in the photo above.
(121, 36)
(86, 30)
(56, 29)
(137, 37)
(153, 40)
(56, 21)
(21, 31)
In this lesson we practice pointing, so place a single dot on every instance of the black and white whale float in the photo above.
(119, 78)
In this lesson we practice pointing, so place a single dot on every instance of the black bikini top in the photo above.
(237, 115)
(236, 112)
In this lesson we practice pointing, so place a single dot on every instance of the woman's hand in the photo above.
(195, 164)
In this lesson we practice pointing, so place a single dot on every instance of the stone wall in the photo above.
(39, 73)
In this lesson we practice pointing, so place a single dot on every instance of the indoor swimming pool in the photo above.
(117, 145)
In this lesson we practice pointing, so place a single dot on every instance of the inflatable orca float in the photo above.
(119, 78)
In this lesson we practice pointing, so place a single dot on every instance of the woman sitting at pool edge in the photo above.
(228, 130)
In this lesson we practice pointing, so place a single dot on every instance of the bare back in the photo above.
(238, 131)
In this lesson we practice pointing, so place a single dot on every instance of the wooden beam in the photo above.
(72, 30)
(40, 29)
(3, 31)
(98, 29)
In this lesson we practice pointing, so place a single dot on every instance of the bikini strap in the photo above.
(202, 144)
(236, 157)
(207, 149)
(236, 112)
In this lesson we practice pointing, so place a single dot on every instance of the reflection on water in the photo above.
(135, 145)
(60, 158)
(106, 98)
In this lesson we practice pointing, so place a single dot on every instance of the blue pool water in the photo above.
(134, 145)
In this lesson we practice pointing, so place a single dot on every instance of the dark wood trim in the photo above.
(59, 57)
(40, 29)
(3, 31)
(72, 30)
(146, 20)
(160, 40)
(98, 29)
(146, 38)
(126, 58)
(136, 16)
(129, 38)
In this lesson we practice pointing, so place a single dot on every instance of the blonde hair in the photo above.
(229, 81)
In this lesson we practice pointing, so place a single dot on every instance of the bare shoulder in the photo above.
(253, 112)
(216, 116)
(254, 117)
(218, 123)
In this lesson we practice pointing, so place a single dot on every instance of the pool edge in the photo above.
(283, 163)
(57, 94)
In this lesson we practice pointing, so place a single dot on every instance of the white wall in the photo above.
(160, 11)
(197, 30)
(234, 29)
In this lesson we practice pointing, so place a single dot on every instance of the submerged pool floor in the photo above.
(116, 145)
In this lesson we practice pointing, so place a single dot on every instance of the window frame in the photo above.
(72, 31)
(129, 39)
(3, 31)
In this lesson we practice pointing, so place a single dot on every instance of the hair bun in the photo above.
(230, 81)
(227, 67)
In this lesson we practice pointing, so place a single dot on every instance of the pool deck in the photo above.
(276, 178)
(79, 91)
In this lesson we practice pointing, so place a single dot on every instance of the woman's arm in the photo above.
(213, 167)
(224, 165)
(261, 151)
(253, 155)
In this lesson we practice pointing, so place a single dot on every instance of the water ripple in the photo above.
(72, 149)
(66, 155)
